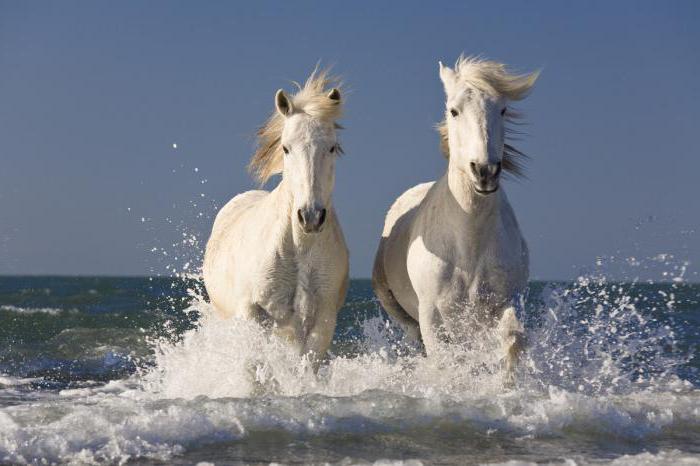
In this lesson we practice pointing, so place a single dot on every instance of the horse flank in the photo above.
(312, 99)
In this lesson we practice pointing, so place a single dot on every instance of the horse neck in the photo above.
(466, 207)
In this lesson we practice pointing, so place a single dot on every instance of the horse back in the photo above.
(235, 207)
(405, 203)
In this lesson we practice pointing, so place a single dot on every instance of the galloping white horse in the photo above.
(451, 252)
(280, 257)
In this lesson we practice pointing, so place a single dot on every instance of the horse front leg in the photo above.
(319, 339)
(512, 335)
(430, 322)
(317, 326)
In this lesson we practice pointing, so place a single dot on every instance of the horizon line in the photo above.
(170, 276)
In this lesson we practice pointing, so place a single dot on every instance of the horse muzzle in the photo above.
(311, 219)
(486, 177)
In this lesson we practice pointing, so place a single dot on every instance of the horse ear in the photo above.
(283, 104)
(447, 76)
(334, 94)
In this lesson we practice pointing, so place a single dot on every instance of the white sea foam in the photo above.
(127, 423)
(31, 310)
(662, 458)
(7, 381)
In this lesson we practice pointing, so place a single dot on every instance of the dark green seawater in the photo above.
(128, 370)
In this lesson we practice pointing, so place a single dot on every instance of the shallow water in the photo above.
(134, 371)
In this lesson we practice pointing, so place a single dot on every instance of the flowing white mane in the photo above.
(494, 79)
(312, 99)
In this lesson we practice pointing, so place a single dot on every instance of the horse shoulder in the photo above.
(390, 274)
(343, 291)
(404, 204)
(518, 254)
(226, 220)
(330, 262)
(218, 254)
(343, 262)
(236, 206)
(339, 238)
(513, 235)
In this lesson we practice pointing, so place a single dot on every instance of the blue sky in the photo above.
(93, 95)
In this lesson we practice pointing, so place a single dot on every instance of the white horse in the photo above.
(279, 257)
(451, 253)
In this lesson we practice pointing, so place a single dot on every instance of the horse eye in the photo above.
(454, 112)
(285, 150)
(503, 112)
(332, 149)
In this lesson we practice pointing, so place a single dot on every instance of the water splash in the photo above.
(592, 337)
(602, 367)
(597, 337)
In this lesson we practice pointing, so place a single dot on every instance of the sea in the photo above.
(138, 370)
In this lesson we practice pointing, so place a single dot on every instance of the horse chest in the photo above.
(449, 276)
(490, 283)
(291, 285)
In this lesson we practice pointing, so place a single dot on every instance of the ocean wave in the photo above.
(116, 425)
(661, 458)
(229, 382)
(605, 375)
(7, 381)
(32, 310)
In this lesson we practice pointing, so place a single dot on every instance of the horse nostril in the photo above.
(322, 218)
(499, 167)
(472, 165)
(300, 217)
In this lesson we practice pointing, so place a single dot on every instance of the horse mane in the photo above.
(494, 79)
(312, 99)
